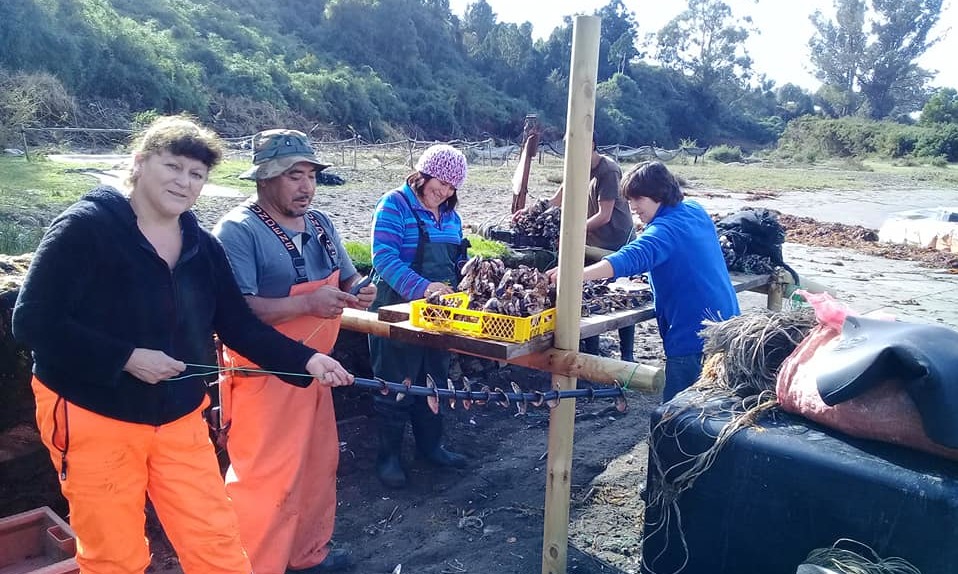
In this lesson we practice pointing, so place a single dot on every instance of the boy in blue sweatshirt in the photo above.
(679, 249)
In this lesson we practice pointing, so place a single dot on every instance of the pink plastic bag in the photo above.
(885, 412)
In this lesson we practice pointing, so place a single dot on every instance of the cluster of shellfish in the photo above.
(601, 297)
(524, 291)
(520, 292)
(542, 219)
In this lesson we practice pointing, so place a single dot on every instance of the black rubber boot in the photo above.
(427, 428)
(627, 343)
(589, 345)
(388, 461)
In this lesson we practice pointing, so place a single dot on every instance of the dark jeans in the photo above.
(680, 373)
(590, 345)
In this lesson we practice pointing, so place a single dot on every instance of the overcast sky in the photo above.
(780, 51)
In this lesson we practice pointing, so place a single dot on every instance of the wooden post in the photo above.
(575, 197)
(776, 290)
(635, 376)
(23, 136)
(364, 322)
(520, 180)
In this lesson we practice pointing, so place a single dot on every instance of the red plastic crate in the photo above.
(37, 542)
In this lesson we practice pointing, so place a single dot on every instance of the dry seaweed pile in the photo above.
(743, 356)
(841, 560)
(745, 263)
(12, 270)
(808, 231)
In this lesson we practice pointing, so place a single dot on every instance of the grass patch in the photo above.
(34, 192)
(487, 248)
(759, 177)
(802, 177)
(924, 175)
(16, 239)
(227, 174)
(361, 255)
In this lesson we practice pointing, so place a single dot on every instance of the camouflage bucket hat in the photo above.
(275, 151)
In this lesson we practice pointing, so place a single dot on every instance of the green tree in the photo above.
(837, 53)
(706, 42)
(617, 38)
(626, 115)
(505, 56)
(891, 81)
(792, 101)
(942, 108)
(478, 21)
(866, 59)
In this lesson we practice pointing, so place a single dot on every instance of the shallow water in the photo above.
(868, 284)
(868, 208)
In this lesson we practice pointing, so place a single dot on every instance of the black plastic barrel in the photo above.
(788, 486)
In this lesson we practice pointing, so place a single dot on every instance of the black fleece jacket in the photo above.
(97, 289)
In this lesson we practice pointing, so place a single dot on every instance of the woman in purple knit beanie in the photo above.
(417, 251)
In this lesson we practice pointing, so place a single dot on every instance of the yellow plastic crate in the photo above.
(455, 317)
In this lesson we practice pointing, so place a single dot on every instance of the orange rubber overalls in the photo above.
(284, 449)
(112, 463)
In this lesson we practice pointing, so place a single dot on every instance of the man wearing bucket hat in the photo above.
(417, 251)
(291, 265)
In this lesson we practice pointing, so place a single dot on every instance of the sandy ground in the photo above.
(488, 518)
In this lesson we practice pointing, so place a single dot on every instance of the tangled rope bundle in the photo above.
(743, 354)
(845, 561)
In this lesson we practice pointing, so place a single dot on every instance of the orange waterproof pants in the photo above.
(284, 450)
(111, 466)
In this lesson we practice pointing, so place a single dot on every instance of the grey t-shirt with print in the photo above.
(262, 265)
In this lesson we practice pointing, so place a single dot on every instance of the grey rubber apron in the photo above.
(394, 361)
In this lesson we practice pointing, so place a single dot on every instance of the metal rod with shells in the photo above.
(486, 395)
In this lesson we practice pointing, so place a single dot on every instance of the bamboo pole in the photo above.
(634, 376)
(364, 322)
(579, 126)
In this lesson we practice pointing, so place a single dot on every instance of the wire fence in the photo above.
(401, 152)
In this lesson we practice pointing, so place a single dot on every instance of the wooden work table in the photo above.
(402, 330)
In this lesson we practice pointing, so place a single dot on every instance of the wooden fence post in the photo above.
(579, 130)
(23, 136)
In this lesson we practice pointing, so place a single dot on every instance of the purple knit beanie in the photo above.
(443, 162)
